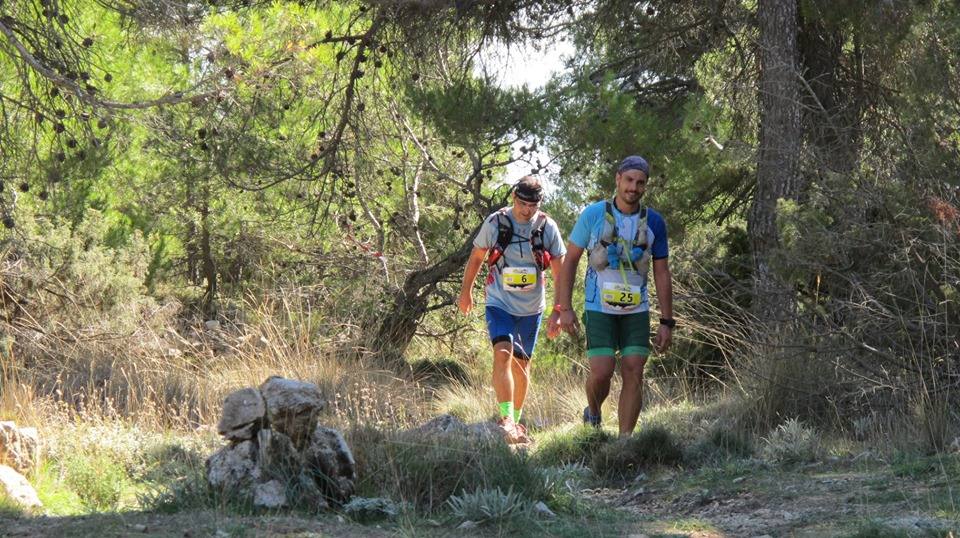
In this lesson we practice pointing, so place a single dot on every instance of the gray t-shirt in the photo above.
(523, 293)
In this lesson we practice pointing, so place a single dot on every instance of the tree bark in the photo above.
(397, 327)
(832, 94)
(779, 152)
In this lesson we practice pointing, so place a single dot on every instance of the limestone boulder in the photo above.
(292, 407)
(243, 414)
(270, 494)
(19, 447)
(442, 424)
(276, 454)
(234, 467)
(17, 488)
(451, 425)
(329, 459)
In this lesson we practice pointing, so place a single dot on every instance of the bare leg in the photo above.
(503, 382)
(631, 396)
(521, 381)
(598, 382)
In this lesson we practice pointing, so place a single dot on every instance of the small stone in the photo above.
(739, 479)
(211, 325)
(466, 525)
(543, 510)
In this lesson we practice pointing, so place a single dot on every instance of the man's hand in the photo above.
(568, 322)
(466, 301)
(662, 342)
(553, 324)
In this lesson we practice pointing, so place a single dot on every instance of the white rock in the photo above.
(17, 488)
(233, 467)
(543, 510)
(292, 407)
(19, 447)
(270, 494)
(466, 525)
(329, 455)
(243, 411)
(211, 325)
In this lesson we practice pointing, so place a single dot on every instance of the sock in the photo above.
(506, 409)
(516, 415)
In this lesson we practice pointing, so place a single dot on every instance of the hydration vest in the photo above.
(541, 255)
(605, 253)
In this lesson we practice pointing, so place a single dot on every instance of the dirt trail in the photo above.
(819, 500)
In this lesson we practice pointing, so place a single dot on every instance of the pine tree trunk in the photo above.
(397, 327)
(779, 151)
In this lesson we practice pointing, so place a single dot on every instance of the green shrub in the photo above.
(625, 457)
(563, 484)
(490, 506)
(426, 470)
(439, 370)
(721, 443)
(191, 492)
(97, 480)
(792, 442)
(571, 446)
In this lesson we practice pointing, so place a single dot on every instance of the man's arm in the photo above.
(663, 281)
(469, 276)
(563, 317)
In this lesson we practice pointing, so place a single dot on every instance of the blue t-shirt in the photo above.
(588, 230)
(517, 264)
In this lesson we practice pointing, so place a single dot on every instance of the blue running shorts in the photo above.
(521, 331)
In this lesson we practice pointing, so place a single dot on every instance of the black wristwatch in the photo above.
(669, 322)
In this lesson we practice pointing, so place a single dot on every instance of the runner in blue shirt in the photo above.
(621, 238)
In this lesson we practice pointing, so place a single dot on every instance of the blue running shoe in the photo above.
(590, 418)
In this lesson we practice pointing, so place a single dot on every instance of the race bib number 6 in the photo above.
(621, 296)
(519, 278)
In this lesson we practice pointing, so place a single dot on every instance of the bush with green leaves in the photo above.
(367, 510)
(576, 445)
(97, 480)
(426, 470)
(562, 484)
(486, 505)
(722, 442)
(792, 442)
(627, 456)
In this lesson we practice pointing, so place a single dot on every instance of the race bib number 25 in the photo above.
(519, 278)
(621, 296)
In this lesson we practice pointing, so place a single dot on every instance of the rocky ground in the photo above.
(842, 497)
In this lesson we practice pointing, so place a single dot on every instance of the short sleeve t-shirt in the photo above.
(517, 265)
(586, 232)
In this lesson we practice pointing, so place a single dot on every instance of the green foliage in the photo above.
(909, 465)
(364, 510)
(439, 370)
(879, 529)
(490, 506)
(570, 446)
(97, 479)
(627, 456)
(792, 442)
(723, 442)
(562, 485)
(426, 471)
(10, 508)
